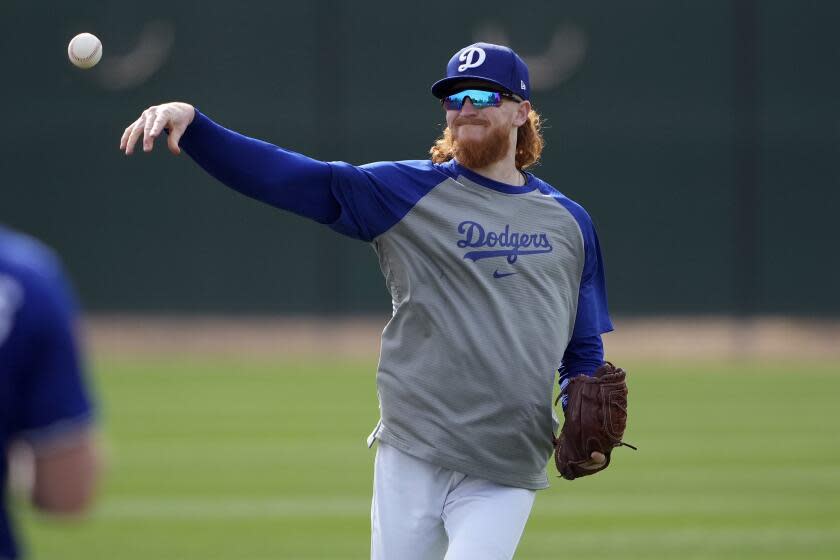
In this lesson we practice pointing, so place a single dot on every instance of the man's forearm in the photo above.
(583, 356)
(262, 171)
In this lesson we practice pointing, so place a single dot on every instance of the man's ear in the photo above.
(521, 116)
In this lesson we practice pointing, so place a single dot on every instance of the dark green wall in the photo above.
(652, 132)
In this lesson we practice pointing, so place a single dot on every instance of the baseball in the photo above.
(84, 50)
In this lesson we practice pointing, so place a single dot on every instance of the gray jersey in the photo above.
(485, 281)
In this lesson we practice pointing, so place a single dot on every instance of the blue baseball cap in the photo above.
(487, 63)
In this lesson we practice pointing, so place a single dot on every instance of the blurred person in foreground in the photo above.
(45, 406)
(496, 281)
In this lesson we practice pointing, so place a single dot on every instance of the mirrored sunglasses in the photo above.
(478, 97)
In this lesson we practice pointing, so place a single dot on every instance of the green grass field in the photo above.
(252, 461)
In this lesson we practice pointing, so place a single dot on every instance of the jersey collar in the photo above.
(458, 169)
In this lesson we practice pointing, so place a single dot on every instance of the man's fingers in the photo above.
(127, 133)
(124, 137)
(136, 131)
(148, 139)
(160, 122)
(152, 132)
(174, 138)
(596, 462)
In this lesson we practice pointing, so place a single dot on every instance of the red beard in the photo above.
(477, 154)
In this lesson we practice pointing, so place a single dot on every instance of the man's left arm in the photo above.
(583, 356)
(55, 410)
(585, 350)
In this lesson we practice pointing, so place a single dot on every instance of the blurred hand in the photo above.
(596, 462)
(174, 117)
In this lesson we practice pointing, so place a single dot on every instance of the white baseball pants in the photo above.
(424, 512)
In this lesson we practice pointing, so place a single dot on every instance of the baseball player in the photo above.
(496, 280)
(44, 400)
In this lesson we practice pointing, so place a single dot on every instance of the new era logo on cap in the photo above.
(487, 62)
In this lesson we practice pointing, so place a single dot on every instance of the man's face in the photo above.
(483, 136)
(474, 125)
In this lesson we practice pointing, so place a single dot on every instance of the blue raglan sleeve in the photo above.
(376, 196)
(54, 398)
(585, 351)
(357, 201)
(262, 171)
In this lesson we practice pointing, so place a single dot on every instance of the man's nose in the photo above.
(468, 108)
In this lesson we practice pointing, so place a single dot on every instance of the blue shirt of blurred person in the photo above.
(43, 397)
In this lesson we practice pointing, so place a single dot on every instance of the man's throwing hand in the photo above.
(174, 117)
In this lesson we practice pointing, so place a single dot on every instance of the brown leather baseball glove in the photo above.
(596, 416)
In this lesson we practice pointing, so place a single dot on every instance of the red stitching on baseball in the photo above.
(91, 55)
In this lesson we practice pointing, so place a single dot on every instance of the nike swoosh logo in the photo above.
(497, 274)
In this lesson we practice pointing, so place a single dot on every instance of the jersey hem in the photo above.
(432, 455)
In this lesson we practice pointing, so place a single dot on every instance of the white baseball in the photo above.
(84, 50)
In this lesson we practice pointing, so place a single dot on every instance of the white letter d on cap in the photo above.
(468, 57)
